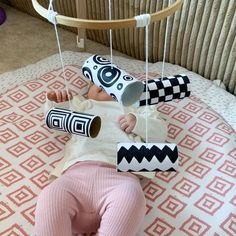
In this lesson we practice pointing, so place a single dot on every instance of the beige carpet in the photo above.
(25, 40)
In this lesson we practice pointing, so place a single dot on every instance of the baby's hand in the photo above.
(127, 122)
(58, 96)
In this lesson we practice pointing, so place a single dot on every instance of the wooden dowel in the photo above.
(106, 24)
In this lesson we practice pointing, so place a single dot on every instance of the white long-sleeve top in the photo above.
(104, 146)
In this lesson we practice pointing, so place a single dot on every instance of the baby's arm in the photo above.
(58, 96)
(127, 122)
(136, 123)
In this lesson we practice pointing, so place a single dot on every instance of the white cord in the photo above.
(141, 21)
(164, 53)
(110, 33)
(52, 18)
(165, 42)
(51, 14)
(146, 79)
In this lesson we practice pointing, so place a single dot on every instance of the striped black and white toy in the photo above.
(73, 122)
(139, 157)
(167, 89)
(122, 86)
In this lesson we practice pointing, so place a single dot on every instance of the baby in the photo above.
(89, 195)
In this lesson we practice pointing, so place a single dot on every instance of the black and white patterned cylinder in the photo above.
(73, 122)
(122, 86)
(143, 157)
(167, 89)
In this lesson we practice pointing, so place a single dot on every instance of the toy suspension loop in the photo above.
(52, 18)
(144, 20)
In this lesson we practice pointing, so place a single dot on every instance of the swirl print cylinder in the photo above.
(73, 122)
(142, 157)
(167, 89)
(122, 86)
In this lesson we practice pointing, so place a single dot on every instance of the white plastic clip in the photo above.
(51, 14)
(80, 42)
(142, 20)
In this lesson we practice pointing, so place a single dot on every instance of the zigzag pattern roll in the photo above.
(167, 89)
(122, 86)
(140, 157)
(73, 122)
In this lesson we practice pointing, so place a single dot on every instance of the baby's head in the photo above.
(98, 94)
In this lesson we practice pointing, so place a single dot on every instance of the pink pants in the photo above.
(91, 197)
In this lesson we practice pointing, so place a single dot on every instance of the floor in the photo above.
(25, 40)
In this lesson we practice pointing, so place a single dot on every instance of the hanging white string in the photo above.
(52, 18)
(165, 42)
(146, 79)
(110, 33)
(141, 21)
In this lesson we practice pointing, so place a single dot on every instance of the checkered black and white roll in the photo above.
(141, 157)
(73, 122)
(167, 89)
(122, 86)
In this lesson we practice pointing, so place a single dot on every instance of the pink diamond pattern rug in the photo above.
(198, 199)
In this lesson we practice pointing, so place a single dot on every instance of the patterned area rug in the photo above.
(198, 199)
